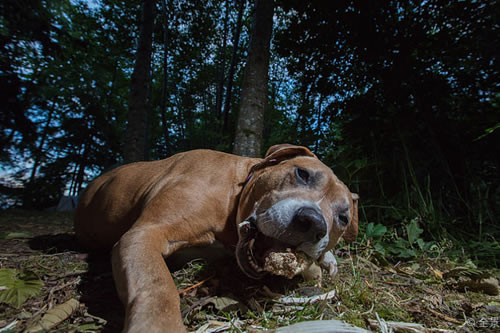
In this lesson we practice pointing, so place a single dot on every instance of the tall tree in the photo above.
(234, 58)
(163, 101)
(221, 66)
(254, 89)
(136, 144)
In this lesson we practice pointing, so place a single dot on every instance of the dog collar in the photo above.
(250, 175)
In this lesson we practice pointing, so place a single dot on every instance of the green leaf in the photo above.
(402, 243)
(414, 231)
(380, 248)
(375, 230)
(17, 286)
(404, 253)
(15, 235)
(421, 243)
(369, 229)
(360, 163)
(379, 230)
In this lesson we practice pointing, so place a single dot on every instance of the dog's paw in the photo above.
(313, 273)
(329, 263)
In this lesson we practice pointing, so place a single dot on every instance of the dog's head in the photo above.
(292, 200)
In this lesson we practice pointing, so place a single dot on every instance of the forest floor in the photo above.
(76, 292)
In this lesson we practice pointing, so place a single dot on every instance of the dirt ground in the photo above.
(216, 295)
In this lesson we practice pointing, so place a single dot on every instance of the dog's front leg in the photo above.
(144, 282)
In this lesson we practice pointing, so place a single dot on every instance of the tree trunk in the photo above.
(163, 106)
(254, 91)
(221, 66)
(39, 151)
(318, 127)
(135, 137)
(81, 170)
(234, 58)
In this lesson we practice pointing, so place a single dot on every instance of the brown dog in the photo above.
(148, 210)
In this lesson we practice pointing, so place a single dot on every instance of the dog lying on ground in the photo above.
(280, 215)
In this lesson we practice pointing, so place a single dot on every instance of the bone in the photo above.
(287, 264)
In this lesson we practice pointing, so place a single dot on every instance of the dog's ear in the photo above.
(351, 232)
(278, 153)
(286, 151)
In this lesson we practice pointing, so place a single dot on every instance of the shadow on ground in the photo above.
(97, 288)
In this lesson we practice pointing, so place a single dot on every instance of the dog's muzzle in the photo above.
(307, 226)
(294, 224)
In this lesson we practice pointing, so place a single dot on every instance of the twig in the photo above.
(287, 309)
(396, 326)
(444, 317)
(9, 326)
(195, 285)
(382, 324)
(307, 300)
(368, 263)
(369, 311)
(67, 284)
(194, 305)
(399, 284)
(73, 273)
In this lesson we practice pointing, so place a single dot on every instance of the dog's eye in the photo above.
(302, 175)
(343, 219)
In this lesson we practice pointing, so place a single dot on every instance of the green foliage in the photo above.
(374, 231)
(408, 244)
(18, 286)
(403, 98)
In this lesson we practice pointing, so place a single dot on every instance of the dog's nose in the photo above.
(309, 224)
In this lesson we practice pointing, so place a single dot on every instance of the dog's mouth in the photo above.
(258, 254)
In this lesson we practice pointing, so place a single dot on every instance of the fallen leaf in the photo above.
(436, 272)
(15, 235)
(55, 316)
(226, 304)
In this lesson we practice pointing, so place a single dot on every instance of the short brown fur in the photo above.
(145, 211)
